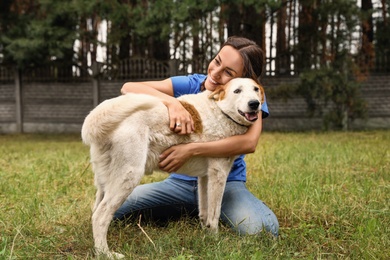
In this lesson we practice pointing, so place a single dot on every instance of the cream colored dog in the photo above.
(127, 134)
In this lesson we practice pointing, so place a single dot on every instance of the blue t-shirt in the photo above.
(192, 84)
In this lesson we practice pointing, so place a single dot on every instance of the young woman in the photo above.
(177, 195)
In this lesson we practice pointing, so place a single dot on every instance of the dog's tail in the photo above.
(102, 120)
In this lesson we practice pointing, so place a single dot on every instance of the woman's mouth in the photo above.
(213, 81)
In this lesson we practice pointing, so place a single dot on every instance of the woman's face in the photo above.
(228, 64)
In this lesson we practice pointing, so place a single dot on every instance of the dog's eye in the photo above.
(237, 91)
(256, 89)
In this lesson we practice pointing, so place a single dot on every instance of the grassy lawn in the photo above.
(330, 191)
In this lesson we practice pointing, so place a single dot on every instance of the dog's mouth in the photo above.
(250, 116)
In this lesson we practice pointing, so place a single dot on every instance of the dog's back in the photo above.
(102, 120)
(141, 122)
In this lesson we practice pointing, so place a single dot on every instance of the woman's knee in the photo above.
(245, 213)
(268, 224)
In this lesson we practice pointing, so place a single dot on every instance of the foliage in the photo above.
(38, 33)
(330, 192)
(320, 47)
(44, 30)
(154, 19)
(332, 94)
(329, 74)
(383, 42)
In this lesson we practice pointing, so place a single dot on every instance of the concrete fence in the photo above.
(32, 107)
(291, 115)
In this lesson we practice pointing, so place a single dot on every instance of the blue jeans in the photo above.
(172, 198)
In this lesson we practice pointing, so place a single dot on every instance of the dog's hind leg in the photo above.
(98, 198)
(114, 195)
(202, 195)
(123, 173)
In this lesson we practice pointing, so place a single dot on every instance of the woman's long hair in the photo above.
(252, 55)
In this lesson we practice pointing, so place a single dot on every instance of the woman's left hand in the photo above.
(174, 157)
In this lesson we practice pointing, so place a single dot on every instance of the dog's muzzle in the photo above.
(251, 115)
(254, 104)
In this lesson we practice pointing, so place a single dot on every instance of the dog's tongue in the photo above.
(251, 116)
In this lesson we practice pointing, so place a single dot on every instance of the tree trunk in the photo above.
(306, 30)
(160, 49)
(366, 59)
(282, 63)
(233, 20)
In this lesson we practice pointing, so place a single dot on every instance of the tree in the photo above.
(36, 32)
(307, 31)
(366, 52)
(382, 34)
(332, 94)
(152, 26)
(336, 79)
(245, 18)
(282, 65)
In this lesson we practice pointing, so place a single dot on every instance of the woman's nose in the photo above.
(217, 73)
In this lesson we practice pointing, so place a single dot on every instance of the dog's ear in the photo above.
(261, 93)
(218, 93)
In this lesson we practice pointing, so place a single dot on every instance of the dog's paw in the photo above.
(116, 255)
(203, 219)
(212, 228)
(110, 256)
(203, 223)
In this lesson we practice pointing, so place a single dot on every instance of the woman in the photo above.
(171, 198)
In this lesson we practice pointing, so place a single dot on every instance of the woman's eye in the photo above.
(229, 73)
(216, 61)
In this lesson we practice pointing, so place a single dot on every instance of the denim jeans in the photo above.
(172, 198)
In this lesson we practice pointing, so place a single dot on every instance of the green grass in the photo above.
(330, 192)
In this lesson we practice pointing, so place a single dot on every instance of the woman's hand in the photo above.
(180, 120)
(174, 157)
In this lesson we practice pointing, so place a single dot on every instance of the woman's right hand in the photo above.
(180, 120)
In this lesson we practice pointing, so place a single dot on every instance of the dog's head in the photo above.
(240, 99)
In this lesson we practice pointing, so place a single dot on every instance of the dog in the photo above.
(126, 135)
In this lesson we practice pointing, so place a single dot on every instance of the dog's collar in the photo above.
(232, 119)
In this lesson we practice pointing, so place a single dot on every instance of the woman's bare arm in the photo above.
(164, 91)
(173, 158)
(161, 89)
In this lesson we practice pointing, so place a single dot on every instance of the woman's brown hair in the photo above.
(252, 55)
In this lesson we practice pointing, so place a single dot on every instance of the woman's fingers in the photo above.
(180, 120)
(183, 125)
(174, 157)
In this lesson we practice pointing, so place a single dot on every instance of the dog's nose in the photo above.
(254, 104)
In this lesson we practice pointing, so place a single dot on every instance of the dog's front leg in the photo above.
(217, 176)
(202, 194)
